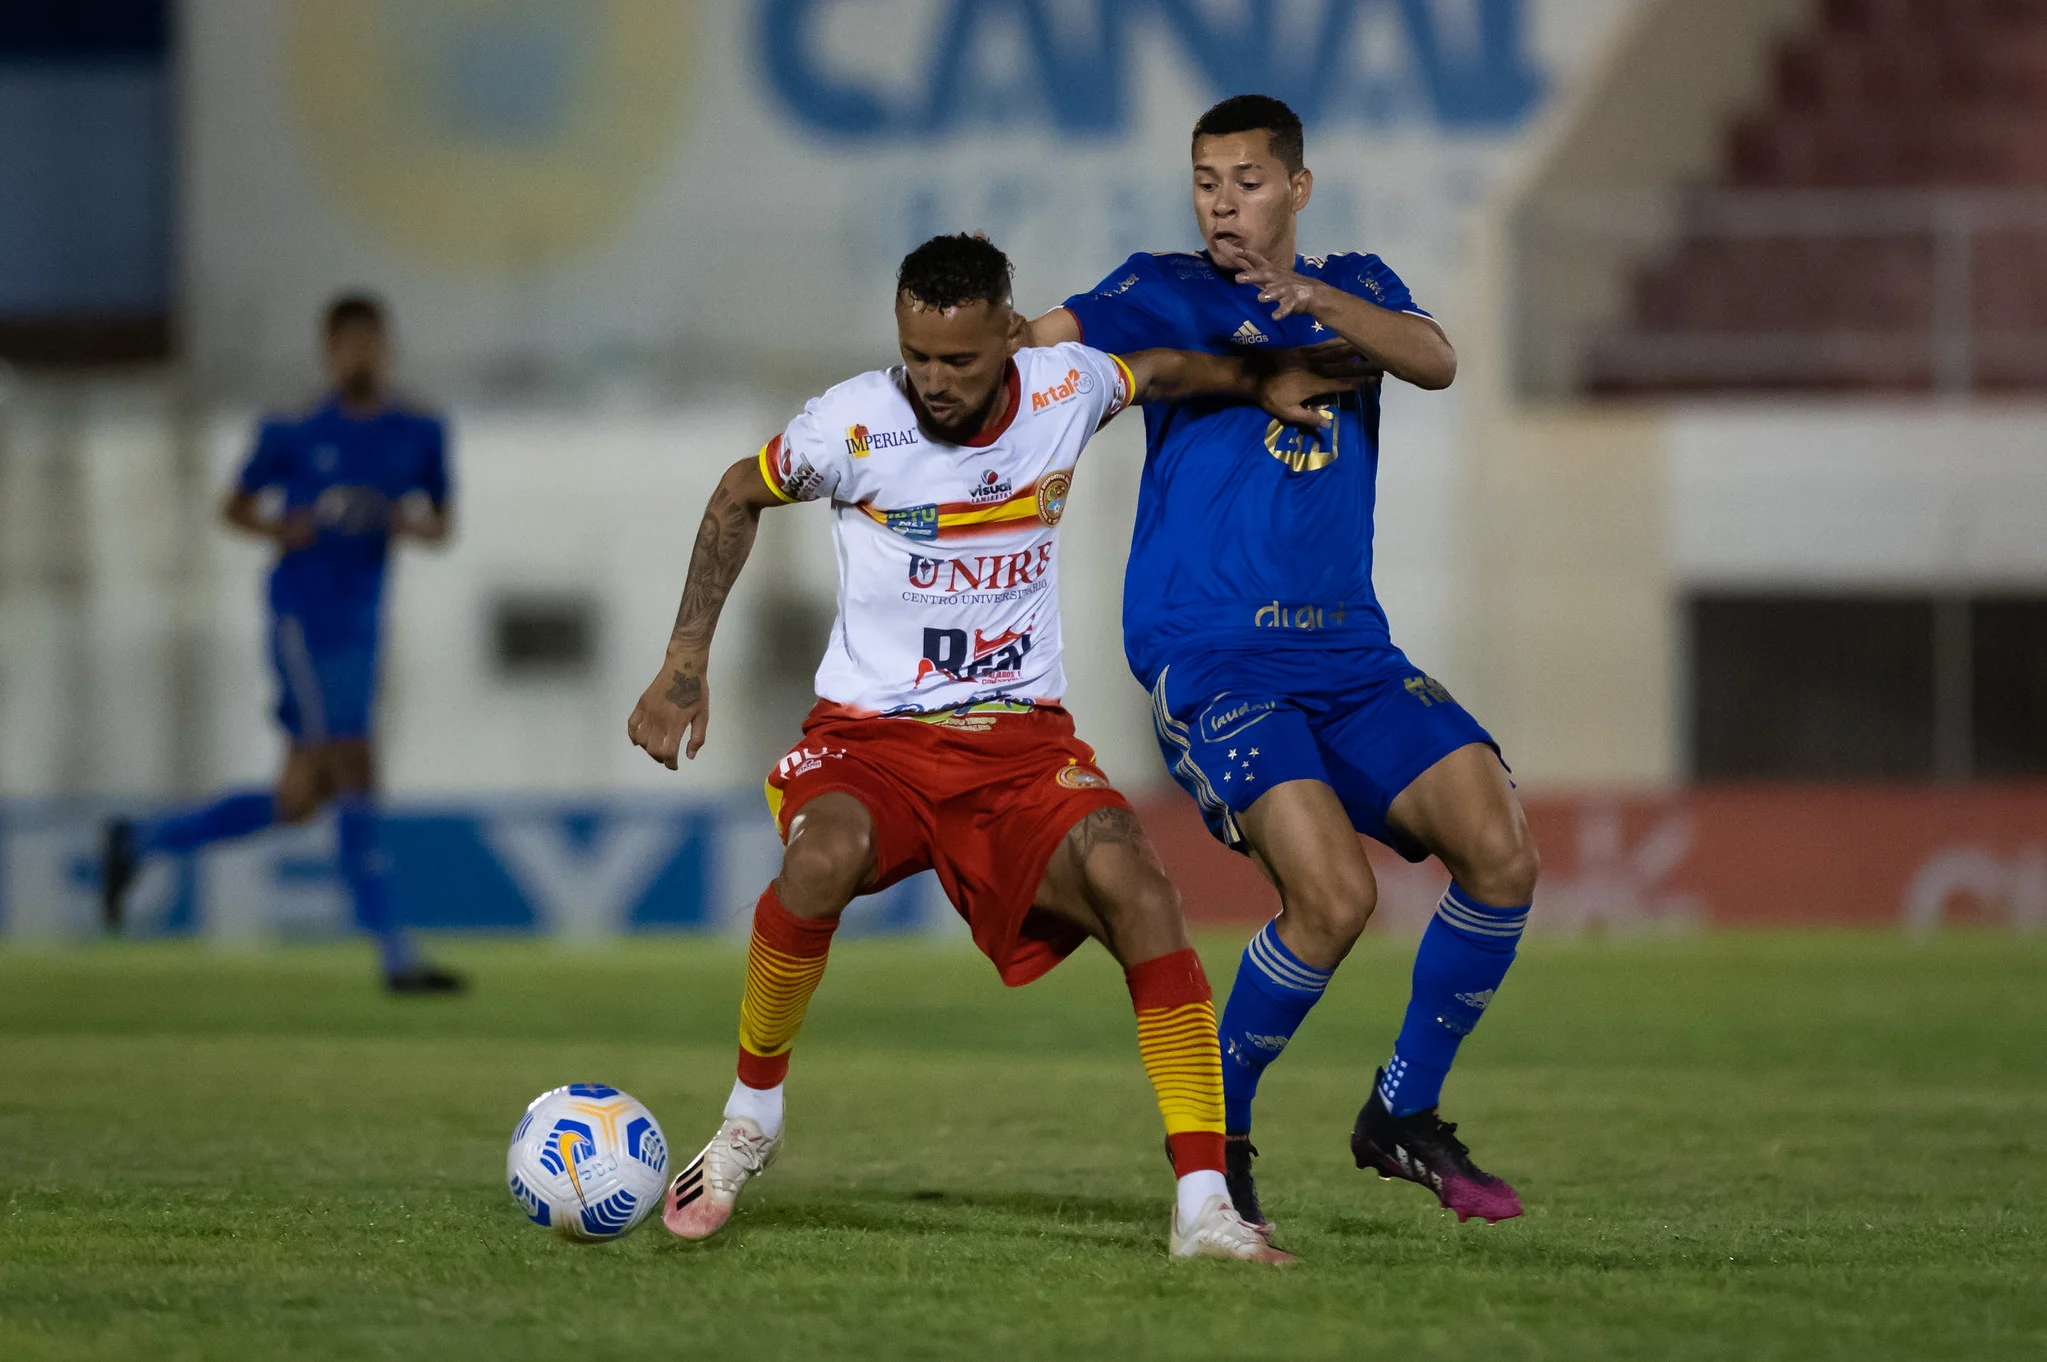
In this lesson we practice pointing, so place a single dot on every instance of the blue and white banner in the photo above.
(575, 869)
(601, 184)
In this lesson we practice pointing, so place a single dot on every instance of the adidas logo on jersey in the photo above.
(1247, 334)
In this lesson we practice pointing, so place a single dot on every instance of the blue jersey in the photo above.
(1250, 533)
(349, 473)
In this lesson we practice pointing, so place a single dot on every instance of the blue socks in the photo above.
(237, 815)
(1273, 992)
(1463, 957)
(362, 865)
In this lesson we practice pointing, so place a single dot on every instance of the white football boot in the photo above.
(700, 1200)
(1219, 1232)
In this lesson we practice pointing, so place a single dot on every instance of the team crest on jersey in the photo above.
(992, 487)
(913, 522)
(1078, 777)
(1303, 451)
(1052, 497)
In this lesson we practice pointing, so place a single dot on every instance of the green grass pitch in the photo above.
(1796, 1147)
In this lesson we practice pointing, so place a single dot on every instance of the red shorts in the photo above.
(983, 798)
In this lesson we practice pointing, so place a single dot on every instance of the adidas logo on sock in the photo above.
(1247, 334)
(1477, 1000)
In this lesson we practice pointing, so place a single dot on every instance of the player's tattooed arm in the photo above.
(677, 704)
(1288, 391)
(1405, 344)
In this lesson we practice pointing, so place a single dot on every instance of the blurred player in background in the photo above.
(332, 488)
(938, 741)
(1281, 704)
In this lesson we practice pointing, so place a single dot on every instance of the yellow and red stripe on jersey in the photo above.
(770, 453)
(964, 519)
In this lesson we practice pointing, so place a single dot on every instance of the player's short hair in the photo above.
(950, 271)
(350, 309)
(1257, 113)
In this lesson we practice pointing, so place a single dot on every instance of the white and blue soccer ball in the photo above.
(587, 1161)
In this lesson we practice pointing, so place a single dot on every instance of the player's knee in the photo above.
(1504, 864)
(827, 861)
(1336, 903)
(1150, 901)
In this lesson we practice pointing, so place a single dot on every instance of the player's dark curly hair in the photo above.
(948, 271)
(1257, 113)
(349, 309)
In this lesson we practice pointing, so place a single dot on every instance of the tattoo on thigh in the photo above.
(1104, 828)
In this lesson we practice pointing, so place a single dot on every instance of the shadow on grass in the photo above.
(989, 1215)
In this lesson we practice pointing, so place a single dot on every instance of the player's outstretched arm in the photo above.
(1288, 391)
(678, 701)
(1405, 344)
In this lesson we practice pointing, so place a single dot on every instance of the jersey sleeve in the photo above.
(433, 464)
(1132, 309)
(269, 463)
(1372, 279)
(1105, 381)
(805, 462)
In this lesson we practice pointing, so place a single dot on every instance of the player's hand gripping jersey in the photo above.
(948, 583)
(1250, 533)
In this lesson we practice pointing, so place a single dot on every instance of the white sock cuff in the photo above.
(1195, 1189)
(762, 1106)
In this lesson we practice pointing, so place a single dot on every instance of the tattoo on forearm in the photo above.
(723, 541)
(684, 689)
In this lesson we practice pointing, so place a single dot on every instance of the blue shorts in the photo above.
(326, 687)
(1232, 725)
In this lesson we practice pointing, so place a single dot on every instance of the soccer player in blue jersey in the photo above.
(332, 488)
(1281, 703)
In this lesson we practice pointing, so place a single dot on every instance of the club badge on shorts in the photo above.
(1078, 777)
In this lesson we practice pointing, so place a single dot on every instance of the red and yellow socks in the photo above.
(784, 961)
(1176, 1036)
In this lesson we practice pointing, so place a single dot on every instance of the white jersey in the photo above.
(948, 582)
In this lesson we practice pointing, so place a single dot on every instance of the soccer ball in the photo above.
(587, 1161)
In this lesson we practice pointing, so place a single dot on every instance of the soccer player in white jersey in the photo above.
(938, 741)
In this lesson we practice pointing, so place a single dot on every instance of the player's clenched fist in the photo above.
(676, 703)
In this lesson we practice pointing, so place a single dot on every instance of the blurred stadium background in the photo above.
(1734, 527)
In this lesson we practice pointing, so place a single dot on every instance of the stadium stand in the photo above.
(1879, 222)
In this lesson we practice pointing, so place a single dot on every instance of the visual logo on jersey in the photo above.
(1052, 490)
(992, 487)
(1078, 777)
(1012, 574)
(860, 442)
(1075, 384)
(949, 654)
(1122, 286)
(913, 522)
